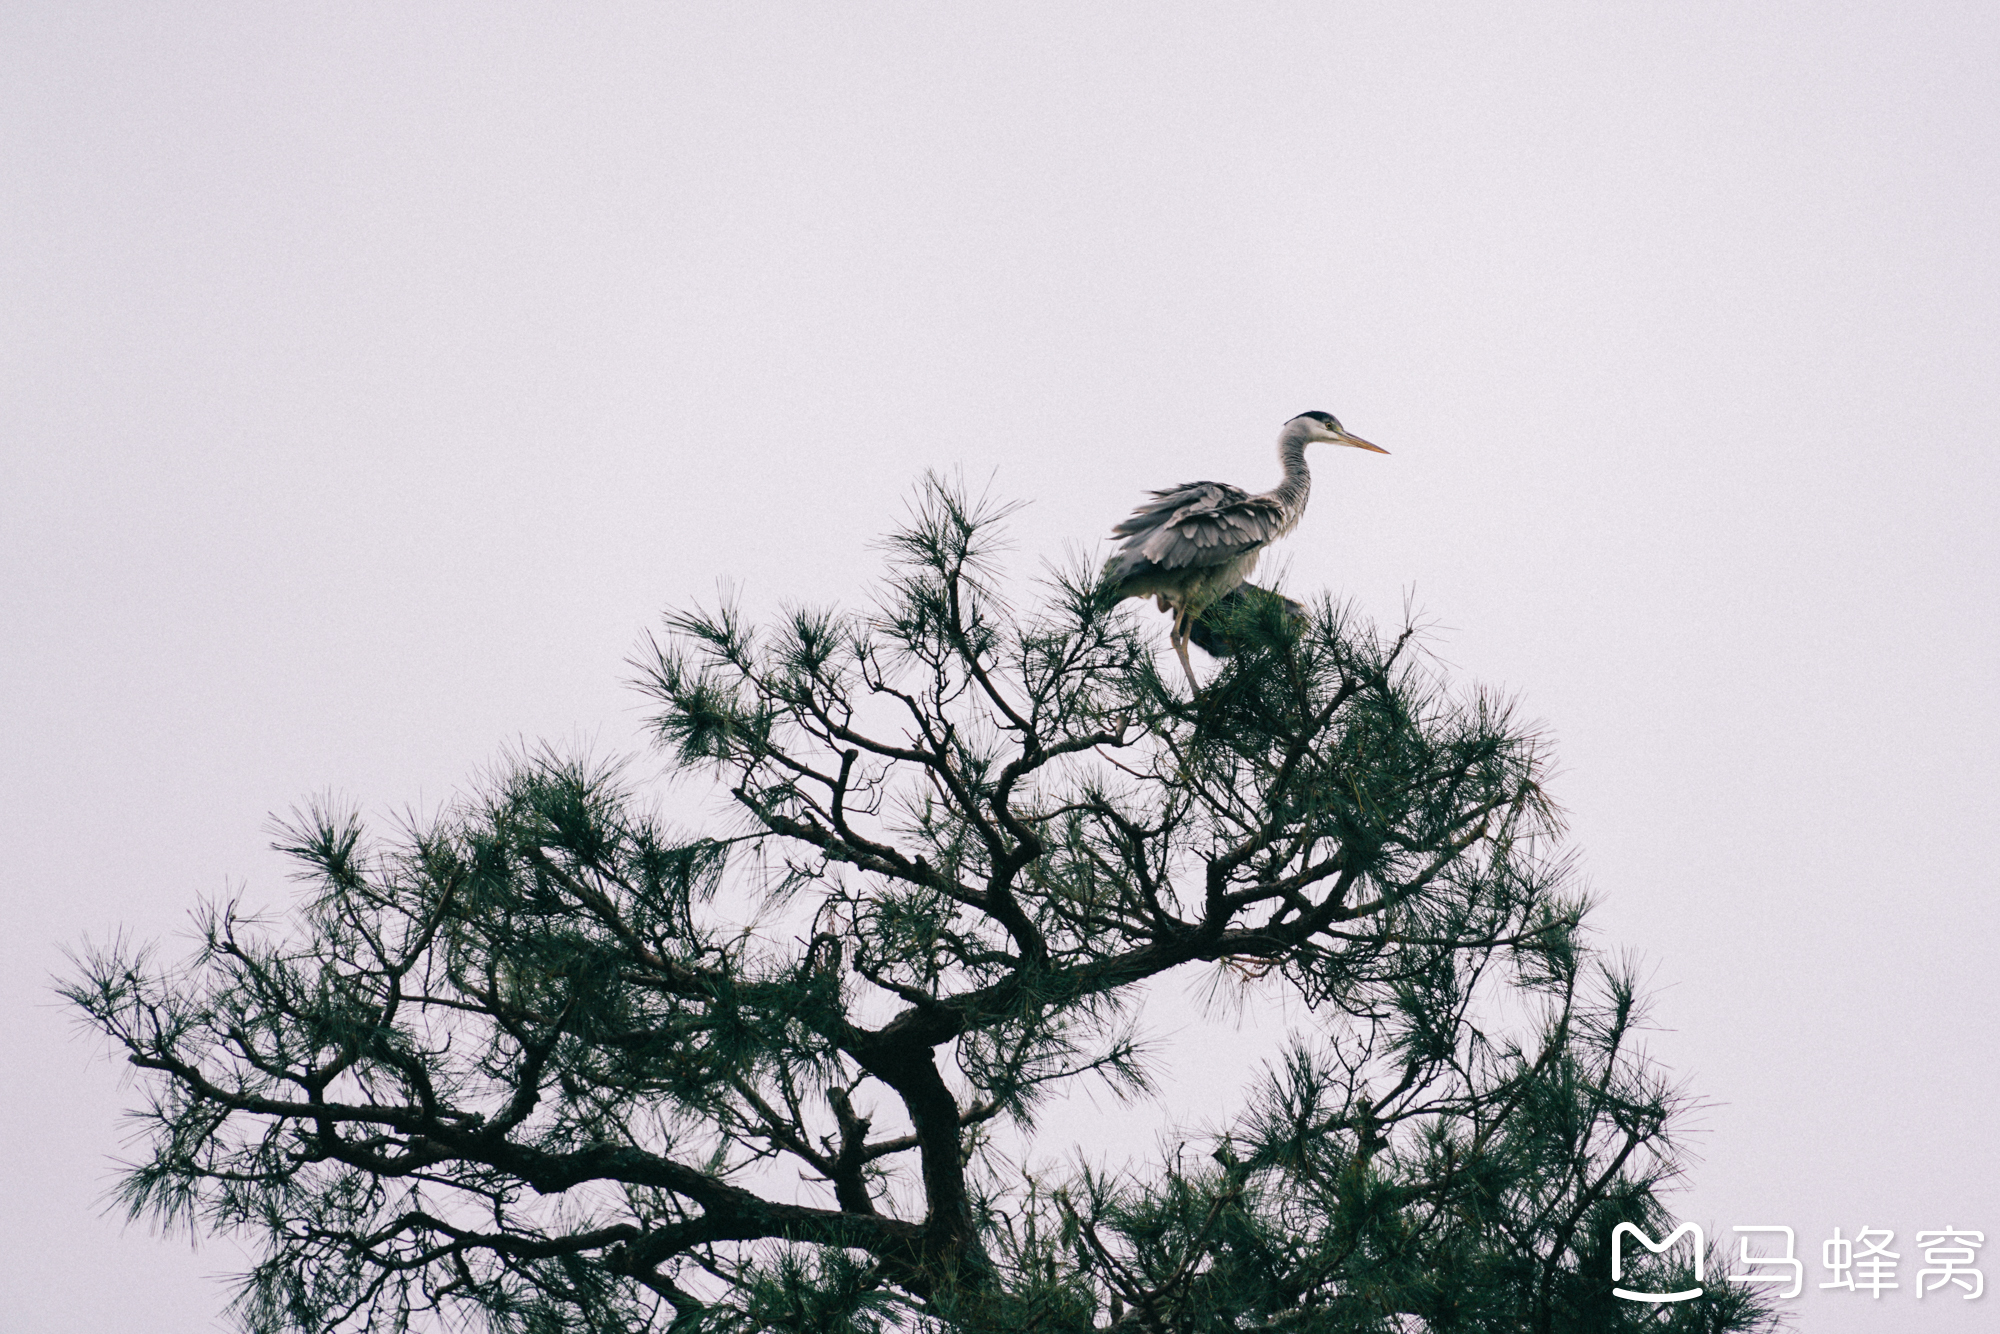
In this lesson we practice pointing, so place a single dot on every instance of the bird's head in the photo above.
(1324, 426)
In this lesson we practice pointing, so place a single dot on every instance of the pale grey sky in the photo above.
(374, 375)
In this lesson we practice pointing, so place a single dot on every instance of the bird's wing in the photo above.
(1201, 523)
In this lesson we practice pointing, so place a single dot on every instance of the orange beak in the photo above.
(1346, 438)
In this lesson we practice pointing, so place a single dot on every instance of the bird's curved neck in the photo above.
(1293, 489)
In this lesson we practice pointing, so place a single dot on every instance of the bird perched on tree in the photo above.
(1192, 544)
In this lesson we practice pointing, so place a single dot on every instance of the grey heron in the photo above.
(1194, 543)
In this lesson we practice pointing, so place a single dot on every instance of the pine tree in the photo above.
(549, 1064)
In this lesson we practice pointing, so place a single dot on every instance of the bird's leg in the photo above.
(1194, 686)
(1182, 623)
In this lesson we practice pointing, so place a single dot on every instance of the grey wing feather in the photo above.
(1201, 523)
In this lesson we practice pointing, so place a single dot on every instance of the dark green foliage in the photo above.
(1245, 613)
(549, 1065)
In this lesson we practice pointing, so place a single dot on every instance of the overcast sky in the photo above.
(375, 375)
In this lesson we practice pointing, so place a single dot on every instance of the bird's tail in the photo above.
(1117, 572)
